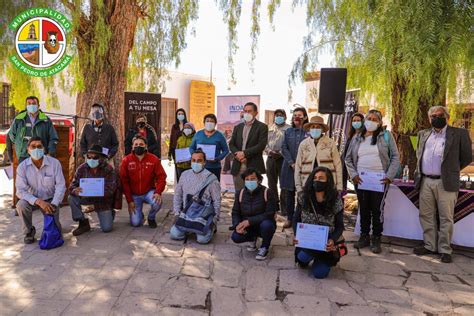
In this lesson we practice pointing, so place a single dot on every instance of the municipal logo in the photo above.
(40, 42)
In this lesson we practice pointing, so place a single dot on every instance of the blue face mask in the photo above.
(251, 184)
(197, 167)
(37, 153)
(315, 133)
(357, 125)
(279, 120)
(180, 117)
(32, 108)
(93, 163)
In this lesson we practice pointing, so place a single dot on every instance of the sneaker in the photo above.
(446, 258)
(421, 251)
(364, 241)
(252, 246)
(30, 237)
(83, 227)
(152, 223)
(262, 253)
(376, 246)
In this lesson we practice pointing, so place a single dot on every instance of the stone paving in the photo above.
(141, 271)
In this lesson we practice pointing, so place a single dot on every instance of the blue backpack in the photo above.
(51, 237)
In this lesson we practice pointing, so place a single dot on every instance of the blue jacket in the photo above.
(217, 139)
(289, 151)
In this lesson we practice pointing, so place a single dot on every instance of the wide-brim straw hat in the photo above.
(316, 120)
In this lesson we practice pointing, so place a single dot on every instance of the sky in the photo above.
(276, 54)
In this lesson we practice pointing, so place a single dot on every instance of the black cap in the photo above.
(97, 149)
(281, 111)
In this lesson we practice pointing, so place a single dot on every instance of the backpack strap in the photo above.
(265, 195)
(241, 194)
(208, 181)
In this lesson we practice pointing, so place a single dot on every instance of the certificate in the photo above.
(312, 236)
(183, 154)
(371, 181)
(92, 186)
(209, 150)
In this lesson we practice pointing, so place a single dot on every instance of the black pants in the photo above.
(179, 172)
(216, 172)
(273, 174)
(370, 209)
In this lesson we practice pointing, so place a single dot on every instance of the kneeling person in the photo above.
(40, 185)
(190, 184)
(253, 213)
(143, 181)
(96, 166)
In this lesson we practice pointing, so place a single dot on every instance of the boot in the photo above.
(83, 227)
(376, 244)
(363, 242)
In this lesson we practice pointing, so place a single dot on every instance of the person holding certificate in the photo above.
(372, 161)
(213, 143)
(93, 189)
(183, 155)
(321, 209)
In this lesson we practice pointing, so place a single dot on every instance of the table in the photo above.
(401, 215)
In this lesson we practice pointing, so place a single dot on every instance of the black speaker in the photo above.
(332, 90)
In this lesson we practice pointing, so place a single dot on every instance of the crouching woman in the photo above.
(321, 205)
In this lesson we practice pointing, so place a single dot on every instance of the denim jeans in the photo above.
(106, 217)
(136, 219)
(266, 229)
(177, 234)
(320, 269)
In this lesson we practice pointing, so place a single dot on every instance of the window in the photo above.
(168, 110)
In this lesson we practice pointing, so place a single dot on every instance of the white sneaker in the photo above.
(262, 253)
(252, 246)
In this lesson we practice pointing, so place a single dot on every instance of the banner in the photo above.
(228, 116)
(201, 101)
(341, 123)
(148, 104)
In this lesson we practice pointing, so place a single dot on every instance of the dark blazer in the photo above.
(457, 155)
(256, 143)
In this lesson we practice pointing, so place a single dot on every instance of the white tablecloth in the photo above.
(401, 219)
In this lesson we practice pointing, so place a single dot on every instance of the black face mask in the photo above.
(139, 150)
(141, 124)
(320, 186)
(438, 122)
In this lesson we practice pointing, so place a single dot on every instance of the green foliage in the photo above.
(232, 10)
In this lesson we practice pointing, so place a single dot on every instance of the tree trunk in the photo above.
(107, 86)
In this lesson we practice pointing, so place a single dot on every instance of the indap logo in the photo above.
(40, 42)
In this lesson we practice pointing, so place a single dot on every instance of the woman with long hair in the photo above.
(357, 121)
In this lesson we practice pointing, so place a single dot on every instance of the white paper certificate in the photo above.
(371, 181)
(92, 186)
(312, 236)
(183, 154)
(209, 150)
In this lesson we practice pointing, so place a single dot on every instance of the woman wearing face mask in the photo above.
(211, 136)
(253, 214)
(321, 205)
(357, 121)
(317, 151)
(143, 128)
(372, 150)
(289, 150)
(184, 141)
(176, 131)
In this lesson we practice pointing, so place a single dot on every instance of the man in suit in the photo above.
(247, 144)
(443, 151)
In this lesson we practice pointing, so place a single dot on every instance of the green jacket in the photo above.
(22, 129)
(184, 142)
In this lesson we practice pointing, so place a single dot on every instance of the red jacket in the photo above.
(139, 177)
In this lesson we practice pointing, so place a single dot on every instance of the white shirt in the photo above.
(433, 153)
(369, 158)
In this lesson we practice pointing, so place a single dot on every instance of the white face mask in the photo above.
(248, 117)
(187, 131)
(210, 126)
(371, 126)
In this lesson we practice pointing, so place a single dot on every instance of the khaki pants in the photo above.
(239, 183)
(434, 198)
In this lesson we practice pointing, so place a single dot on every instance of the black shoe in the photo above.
(364, 241)
(30, 237)
(83, 227)
(152, 223)
(446, 258)
(15, 212)
(376, 244)
(421, 251)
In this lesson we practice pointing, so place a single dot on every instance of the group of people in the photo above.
(307, 177)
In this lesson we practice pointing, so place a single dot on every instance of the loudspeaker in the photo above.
(332, 90)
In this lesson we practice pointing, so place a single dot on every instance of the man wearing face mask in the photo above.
(143, 181)
(96, 166)
(191, 183)
(29, 123)
(40, 185)
(442, 152)
(184, 142)
(143, 128)
(99, 132)
(247, 144)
